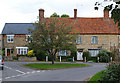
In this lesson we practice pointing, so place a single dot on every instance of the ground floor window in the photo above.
(93, 52)
(63, 53)
(22, 50)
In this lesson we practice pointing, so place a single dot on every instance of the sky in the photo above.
(26, 11)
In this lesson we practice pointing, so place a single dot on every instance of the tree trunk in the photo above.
(52, 59)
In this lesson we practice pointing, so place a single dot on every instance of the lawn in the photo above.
(49, 66)
(96, 77)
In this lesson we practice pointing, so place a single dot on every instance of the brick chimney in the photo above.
(75, 13)
(106, 14)
(41, 13)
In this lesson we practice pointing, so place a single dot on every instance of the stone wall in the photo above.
(19, 41)
(104, 41)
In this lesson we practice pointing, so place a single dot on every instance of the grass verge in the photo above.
(96, 77)
(49, 66)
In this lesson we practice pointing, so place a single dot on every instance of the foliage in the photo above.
(54, 15)
(115, 14)
(74, 54)
(30, 53)
(86, 54)
(41, 55)
(3, 52)
(65, 15)
(52, 35)
(14, 57)
(93, 59)
(55, 66)
(104, 56)
(112, 73)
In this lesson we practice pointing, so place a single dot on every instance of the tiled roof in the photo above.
(17, 28)
(81, 25)
(92, 25)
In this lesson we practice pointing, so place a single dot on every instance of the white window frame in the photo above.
(119, 39)
(93, 52)
(94, 40)
(66, 53)
(24, 49)
(11, 37)
(119, 52)
(79, 40)
(27, 40)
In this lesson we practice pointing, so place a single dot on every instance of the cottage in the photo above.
(93, 34)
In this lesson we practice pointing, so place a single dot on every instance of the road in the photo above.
(14, 71)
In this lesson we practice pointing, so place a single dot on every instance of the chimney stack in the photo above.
(106, 14)
(41, 13)
(75, 13)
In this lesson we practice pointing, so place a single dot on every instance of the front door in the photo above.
(8, 52)
(79, 55)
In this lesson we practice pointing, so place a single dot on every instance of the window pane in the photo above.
(94, 40)
(18, 50)
(78, 40)
(94, 52)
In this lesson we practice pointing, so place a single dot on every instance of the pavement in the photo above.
(15, 71)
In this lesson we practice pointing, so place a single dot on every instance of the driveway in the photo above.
(14, 71)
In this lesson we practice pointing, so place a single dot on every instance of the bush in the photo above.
(74, 54)
(15, 58)
(30, 53)
(94, 59)
(104, 56)
(112, 73)
(86, 54)
(42, 56)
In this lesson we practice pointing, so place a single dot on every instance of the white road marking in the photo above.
(7, 77)
(15, 70)
(20, 71)
(33, 72)
(13, 76)
(38, 71)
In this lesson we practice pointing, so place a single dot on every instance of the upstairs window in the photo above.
(94, 40)
(10, 38)
(63, 53)
(78, 40)
(28, 38)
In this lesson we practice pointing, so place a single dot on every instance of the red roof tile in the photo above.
(92, 25)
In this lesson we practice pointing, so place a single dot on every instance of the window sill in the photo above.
(10, 42)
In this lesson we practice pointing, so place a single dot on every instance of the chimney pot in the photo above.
(75, 13)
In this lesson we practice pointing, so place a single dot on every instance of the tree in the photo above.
(52, 35)
(115, 11)
(54, 15)
(64, 15)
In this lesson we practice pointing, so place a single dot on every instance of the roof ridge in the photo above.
(18, 23)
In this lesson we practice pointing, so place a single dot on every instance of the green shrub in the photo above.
(104, 56)
(3, 52)
(41, 55)
(94, 59)
(112, 73)
(74, 54)
(15, 58)
(86, 54)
